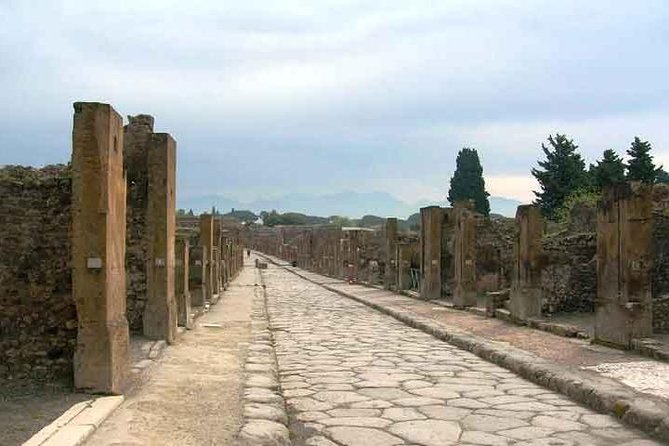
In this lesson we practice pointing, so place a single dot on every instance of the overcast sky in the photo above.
(272, 97)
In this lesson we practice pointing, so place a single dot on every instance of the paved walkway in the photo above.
(352, 376)
(641, 373)
(193, 393)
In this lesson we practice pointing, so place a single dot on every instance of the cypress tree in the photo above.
(610, 170)
(561, 174)
(640, 166)
(467, 182)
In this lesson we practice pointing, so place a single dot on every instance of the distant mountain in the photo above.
(349, 204)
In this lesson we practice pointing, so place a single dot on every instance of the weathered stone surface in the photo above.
(271, 412)
(264, 433)
(360, 436)
(428, 432)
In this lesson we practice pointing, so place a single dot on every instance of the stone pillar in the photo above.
(160, 313)
(464, 258)
(207, 243)
(218, 255)
(98, 248)
(390, 273)
(526, 296)
(197, 275)
(430, 247)
(181, 281)
(623, 310)
(404, 254)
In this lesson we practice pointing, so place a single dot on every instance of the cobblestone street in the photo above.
(352, 376)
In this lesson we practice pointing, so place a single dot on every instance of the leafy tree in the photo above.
(339, 220)
(561, 174)
(610, 170)
(661, 176)
(640, 166)
(467, 182)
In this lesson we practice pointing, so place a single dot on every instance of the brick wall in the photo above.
(38, 319)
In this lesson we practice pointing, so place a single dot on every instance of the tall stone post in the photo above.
(197, 275)
(160, 313)
(219, 255)
(182, 291)
(404, 253)
(390, 273)
(464, 258)
(526, 295)
(430, 248)
(98, 248)
(623, 310)
(207, 243)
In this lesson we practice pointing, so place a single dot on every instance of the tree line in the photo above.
(562, 176)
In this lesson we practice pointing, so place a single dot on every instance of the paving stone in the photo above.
(360, 436)
(271, 412)
(354, 412)
(339, 397)
(557, 424)
(371, 404)
(311, 416)
(264, 433)
(483, 438)
(385, 393)
(428, 432)
(416, 401)
(355, 421)
(526, 433)
(444, 412)
(436, 392)
(402, 414)
(319, 441)
(488, 423)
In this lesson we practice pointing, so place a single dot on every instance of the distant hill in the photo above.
(354, 205)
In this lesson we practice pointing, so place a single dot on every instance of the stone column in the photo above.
(182, 291)
(430, 248)
(197, 275)
(98, 248)
(464, 258)
(160, 313)
(526, 295)
(207, 243)
(404, 254)
(623, 310)
(218, 270)
(390, 273)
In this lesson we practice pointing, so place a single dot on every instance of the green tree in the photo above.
(640, 166)
(467, 182)
(610, 170)
(661, 176)
(562, 173)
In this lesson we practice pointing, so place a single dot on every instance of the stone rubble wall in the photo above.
(38, 317)
(494, 253)
(569, 277)
(137, 135)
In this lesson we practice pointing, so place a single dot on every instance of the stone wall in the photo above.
(661, 315)
(136, 141)
(494, 253)
(569, 278)
(38, 318)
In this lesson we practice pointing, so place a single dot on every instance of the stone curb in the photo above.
(265, 417)
(645, 412)
(74, 426)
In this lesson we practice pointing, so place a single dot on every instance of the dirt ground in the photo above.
(193, 393)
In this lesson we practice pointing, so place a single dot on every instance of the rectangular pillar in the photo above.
(207, 243)
(181, 282)
(624, 306)
(160, 313)
(464, 258)
(390, 273)
(526, 295)
(404, 255)
(430, 246)
(197, 275)
(98, 248)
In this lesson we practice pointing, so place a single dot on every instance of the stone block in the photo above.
(98, 238)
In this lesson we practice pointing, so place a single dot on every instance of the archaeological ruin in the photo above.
(93, 255)
(603, 274)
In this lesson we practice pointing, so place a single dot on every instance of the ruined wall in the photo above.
(38, 319)
(494, 253)
(136, 141)
(660, 273)
(569, 278)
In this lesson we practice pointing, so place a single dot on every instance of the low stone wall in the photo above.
(38, 318)
(569, 277)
